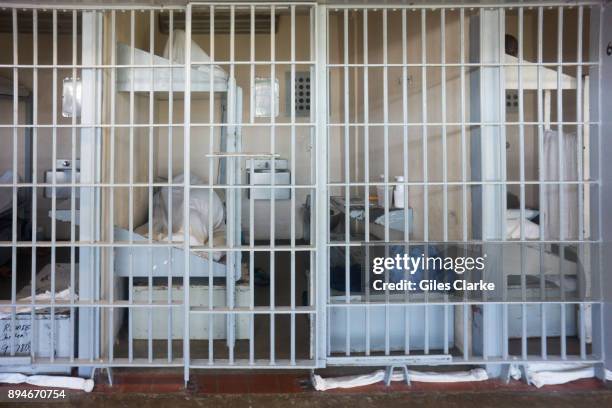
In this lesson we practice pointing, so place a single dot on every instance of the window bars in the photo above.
(408, 102)
(419, 93)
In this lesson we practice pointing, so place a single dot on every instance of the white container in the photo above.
(380, 193)
(198, 295)
(416, 326)
(398, 193)
(43, 341)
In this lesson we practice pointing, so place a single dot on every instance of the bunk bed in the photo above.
(518, 257)
(161, 81)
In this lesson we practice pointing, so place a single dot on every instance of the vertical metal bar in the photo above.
(405, 171)
(325, 327)
(464, 158)
(34, 331)
(251, 262)
(321, 298)
(211, 145)
(273, 183)
(521, 124)
(502, 118)
(347, 180)
(170, 180)
(131, 189)
(252, 70)
(463, 133)
(580, 175)
(425, 164)
(53, 187)
(522, 185)
(231, 179)
(598, 205)
(88, 200)
(580, 118)
(252, 200)
(14, 189)
(111, 232)
(186, 194)
(150, 187)
(424, 125)
(562, 204)
(582, 330)
(466, 350)
(493, 158)
(444, 156)
(444, 136)
(293, 182)
(386, 166)
(386, 122)
(366, 171)
(312, 318)
(540, 27)
(405, 119)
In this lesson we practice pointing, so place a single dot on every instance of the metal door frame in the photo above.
(90, 301)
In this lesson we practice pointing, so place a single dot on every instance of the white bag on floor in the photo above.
(323, 384)
(75, 383)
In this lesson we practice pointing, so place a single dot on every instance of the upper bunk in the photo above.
(160, 78)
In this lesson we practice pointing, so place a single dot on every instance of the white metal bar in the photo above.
(386, 169)
(464, 156)
(321, 298)
(231, 179)
(131, 186)
(211, 143)
(273, 182)
(170, 174)
(502, 128)
(34, 331)
(405, 155)
(251, 199)
(150, 188)
(444, 135)
(366, 153)
(540, 113)
(347, 177)
(561, 172)
(293, 179)
(252, 68)
(88, 199)
(580, 127)
(385, 121)
(522, 187)
(424, 126)
(186, 196)
(580, 178)
(14, 207)
(111, 232)
(53, 188)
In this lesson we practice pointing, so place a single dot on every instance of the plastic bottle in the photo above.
(398, 193)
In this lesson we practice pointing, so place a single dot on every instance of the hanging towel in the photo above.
(553, 217)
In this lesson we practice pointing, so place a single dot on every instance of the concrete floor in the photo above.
(495, 399)
(271, 389)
